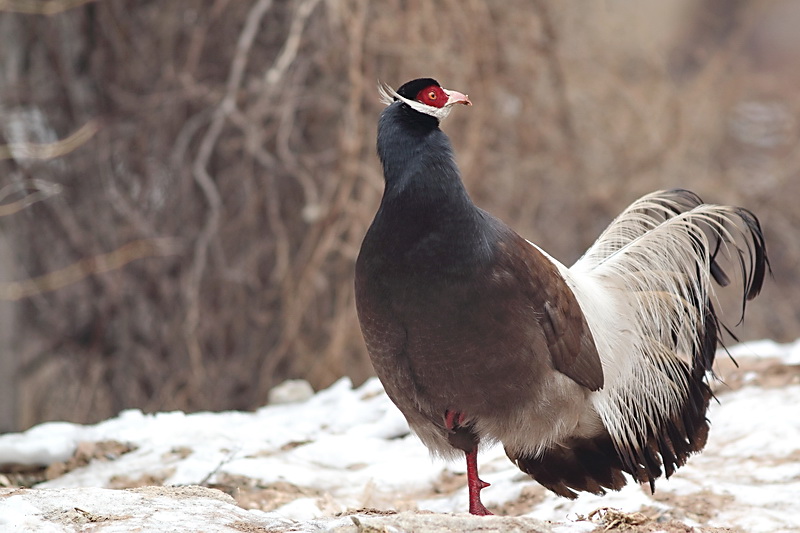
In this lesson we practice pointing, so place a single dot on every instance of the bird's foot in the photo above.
(478, 509)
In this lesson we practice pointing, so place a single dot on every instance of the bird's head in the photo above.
(424, 95)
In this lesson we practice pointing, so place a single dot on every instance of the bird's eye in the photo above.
(431, 95)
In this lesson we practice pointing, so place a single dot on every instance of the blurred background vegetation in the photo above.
(184, 185)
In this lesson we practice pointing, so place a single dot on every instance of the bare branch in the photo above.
(41, 7)
(50, 150)
(42, 191)
(206, 182)
(99, 264)
(292, 44)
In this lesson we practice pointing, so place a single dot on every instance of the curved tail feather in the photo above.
(646, 289)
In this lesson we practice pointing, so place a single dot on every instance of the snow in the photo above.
(310, 463)
(789, 354)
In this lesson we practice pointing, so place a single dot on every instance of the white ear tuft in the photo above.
(389, 96)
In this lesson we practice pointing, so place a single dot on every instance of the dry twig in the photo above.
(42, 190)
(41, 7)
(99, 264)
(50, 150)
(207, 184)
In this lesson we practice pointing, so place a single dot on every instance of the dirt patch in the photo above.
(615, 520)
(249, 494)
(648, 520)
(246, 527)
(177, 453)
(85, 453)
(369, 511)
(448, 482)
(77, 516)
(145, 480)
(698, 507)
(184, 492)
(25, 476)
(769, 373)
(12, 475)
(529, 497)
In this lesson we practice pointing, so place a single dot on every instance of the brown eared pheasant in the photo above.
(587, 375)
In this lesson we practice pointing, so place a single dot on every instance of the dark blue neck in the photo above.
(426, 216)
(418, 163)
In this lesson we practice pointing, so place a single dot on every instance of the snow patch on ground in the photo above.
(299, 466)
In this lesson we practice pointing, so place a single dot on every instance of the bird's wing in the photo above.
(557, 311)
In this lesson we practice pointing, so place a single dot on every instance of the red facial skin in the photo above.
(433, 96)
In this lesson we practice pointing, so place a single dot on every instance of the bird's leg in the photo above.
(475, 484)
(466, 440)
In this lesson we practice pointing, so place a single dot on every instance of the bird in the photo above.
(589, 376)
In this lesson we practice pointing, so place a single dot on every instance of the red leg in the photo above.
(475, 484)
(453, 420)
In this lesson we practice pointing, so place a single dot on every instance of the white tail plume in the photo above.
(646, 290)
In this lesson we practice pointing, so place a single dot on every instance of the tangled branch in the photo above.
(90, 266)
(41, 7)
(50, 150)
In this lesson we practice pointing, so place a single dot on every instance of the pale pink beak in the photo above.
(455, 97)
